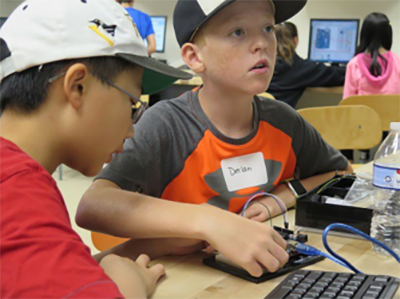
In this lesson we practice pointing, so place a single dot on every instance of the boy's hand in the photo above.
(149, 274)
(250, 244)
(257, 212)
(134, 279)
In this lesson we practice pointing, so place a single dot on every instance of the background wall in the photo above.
(7, 6)
(356, 9)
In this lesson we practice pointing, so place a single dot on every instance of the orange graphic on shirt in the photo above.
(202, 181)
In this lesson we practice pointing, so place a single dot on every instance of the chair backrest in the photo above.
(103, 242)
(387, 106)
(346, 127)
(266, 95)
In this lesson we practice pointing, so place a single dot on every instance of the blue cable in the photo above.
(358, 232)
(312, 251)
(309, 250)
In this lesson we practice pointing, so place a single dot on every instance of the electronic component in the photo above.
(296, 260)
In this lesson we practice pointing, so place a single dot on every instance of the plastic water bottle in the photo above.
(385, 225)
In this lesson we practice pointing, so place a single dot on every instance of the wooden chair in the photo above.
(103, 242)
(266, 95)
(387, 106)
(144, 98)
(346, 127)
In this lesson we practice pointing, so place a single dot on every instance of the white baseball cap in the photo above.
(44, 31)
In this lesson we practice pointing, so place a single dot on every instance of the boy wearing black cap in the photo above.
(218, 145)
(67, 90)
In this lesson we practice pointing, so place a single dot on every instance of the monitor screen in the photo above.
(333, 41)
(160, 29)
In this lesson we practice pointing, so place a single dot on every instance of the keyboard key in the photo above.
(350, 288)
(333, 290)
(329, 294)
(354, 283)
(376, 287)
(314, 275)
(316, 290)
(304, 285)
(381, 278)
(359, 277)
(330, 275)
(346, 293)
(372, 294)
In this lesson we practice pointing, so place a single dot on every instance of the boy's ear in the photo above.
(76, 84)
(191, 55)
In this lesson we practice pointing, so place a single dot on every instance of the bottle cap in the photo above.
(395, 126)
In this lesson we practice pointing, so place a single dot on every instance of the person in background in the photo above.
(293, 32)
(374, 69)
(294, 74)
(143, 23)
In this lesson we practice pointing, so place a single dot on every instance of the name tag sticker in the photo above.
(244, 171)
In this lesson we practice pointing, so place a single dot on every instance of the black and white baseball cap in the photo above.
(190, 15)
(44, 31)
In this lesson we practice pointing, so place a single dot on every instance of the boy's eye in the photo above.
(237, 32)
(269, 29)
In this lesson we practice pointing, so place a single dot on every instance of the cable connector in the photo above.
(307, 249)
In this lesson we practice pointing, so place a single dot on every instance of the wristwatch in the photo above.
(296, 187)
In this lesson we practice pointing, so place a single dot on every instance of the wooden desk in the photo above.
(187, 277)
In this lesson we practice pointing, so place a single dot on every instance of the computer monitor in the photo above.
(2, 20)
(160, 30)
(333, 40)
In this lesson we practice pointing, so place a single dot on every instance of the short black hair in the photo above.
(25, 91)
(124, 1)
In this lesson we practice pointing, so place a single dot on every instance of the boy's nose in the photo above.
(260, 43)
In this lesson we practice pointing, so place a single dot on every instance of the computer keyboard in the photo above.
(319, 284)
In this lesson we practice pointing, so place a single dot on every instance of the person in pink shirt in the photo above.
(374, 69)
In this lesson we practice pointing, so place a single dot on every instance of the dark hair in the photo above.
(292, 28)
(285, 44)
(26, 91)
(124, 1)
(376, 32)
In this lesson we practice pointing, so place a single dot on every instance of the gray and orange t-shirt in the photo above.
(178, 154)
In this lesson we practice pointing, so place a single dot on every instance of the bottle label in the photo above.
(386, 177)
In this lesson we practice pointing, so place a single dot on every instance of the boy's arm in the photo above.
(259, 213)
(107, 208)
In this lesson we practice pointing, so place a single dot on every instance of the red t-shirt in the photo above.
(41, 255)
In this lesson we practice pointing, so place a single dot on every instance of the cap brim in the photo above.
(284, 10)
(157, 75)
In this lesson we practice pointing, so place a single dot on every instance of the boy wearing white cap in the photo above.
(217, 146)
(70, 71)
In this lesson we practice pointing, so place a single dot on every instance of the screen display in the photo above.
(160, 29)
(333, 40)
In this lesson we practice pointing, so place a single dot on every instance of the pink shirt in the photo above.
(359, 81)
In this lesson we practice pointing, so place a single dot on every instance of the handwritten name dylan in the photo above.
(240, 170)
